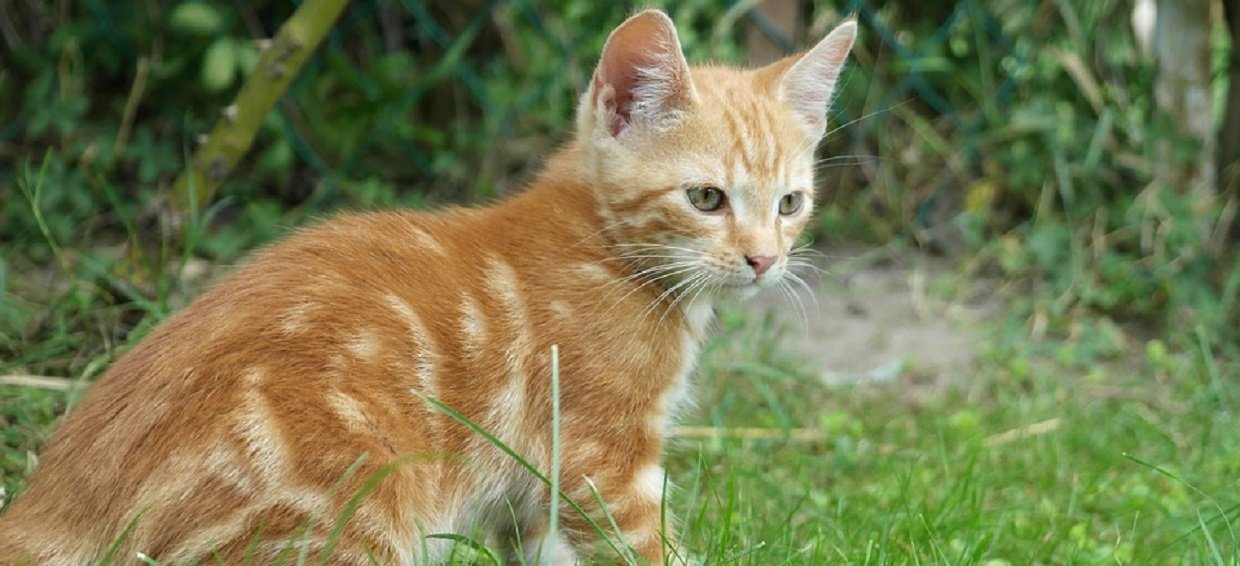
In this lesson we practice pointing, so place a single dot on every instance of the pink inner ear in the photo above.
(642, 58)
(605, 98)
(619, 68)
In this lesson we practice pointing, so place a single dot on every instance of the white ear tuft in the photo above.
(808, 84)
(642, 77)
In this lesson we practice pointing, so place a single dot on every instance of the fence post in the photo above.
(1229, 134)
(1182, 90)
(784, 17)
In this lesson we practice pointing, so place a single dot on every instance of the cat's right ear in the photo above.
(642, 79)
(808, 84)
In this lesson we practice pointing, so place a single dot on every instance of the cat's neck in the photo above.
(559, 203)
(561, 211)
(562, 205)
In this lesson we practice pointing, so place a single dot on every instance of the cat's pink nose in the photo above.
(760, 263)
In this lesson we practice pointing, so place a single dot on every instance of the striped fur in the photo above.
(247, 423)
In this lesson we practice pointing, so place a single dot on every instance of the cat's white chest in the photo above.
(679, 395)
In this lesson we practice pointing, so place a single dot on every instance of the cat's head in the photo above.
(705, 174)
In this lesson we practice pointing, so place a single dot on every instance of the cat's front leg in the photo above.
(632, 502)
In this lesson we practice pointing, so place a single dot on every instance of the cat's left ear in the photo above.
(808, 84)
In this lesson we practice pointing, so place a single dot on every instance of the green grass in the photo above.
(1133, 459)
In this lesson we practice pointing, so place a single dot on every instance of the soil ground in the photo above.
(873, 320)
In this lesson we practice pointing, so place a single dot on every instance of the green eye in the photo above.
(791, 203)
(706, 199)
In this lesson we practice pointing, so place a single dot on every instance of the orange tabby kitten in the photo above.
(244, 425)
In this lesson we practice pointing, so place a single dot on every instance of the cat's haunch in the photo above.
(243, 427)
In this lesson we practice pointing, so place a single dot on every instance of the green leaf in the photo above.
(196, 18)
(219, 65)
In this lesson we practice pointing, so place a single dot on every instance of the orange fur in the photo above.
(234, 426)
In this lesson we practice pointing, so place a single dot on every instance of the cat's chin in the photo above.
(739, 291)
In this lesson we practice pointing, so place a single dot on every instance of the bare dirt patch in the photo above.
(878, 315)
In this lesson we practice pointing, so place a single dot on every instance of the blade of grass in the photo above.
(110, 555)
(1207, 359)
(615, 528)
(1210, 544)
(471, 543)
(252, 549)
(555, 448)
(1222, 513)
(517, 544)
(35, 198)
(355, 501)
(741, 554)
(40, 382)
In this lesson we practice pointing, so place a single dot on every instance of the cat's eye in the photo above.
(791, 203)
(706, 199)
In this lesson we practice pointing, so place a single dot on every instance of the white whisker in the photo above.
(787, 291)
(646, 282)
(703, 277)
(865, 116)
(813, 297)
(658, 300)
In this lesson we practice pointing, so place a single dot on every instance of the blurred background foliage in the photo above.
(1018, 136)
